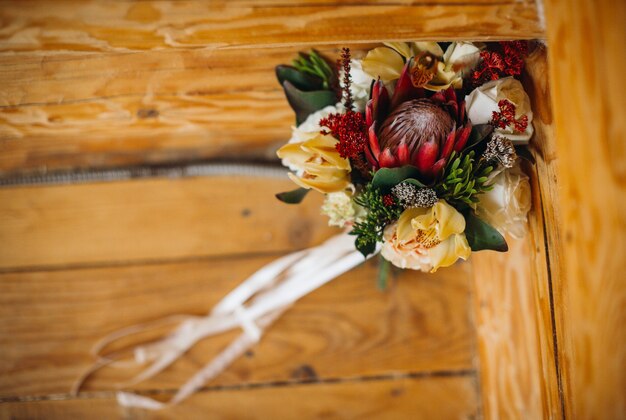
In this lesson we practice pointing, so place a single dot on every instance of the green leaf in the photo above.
(479, 133)
(365, 247)
(480, 235)
(292, 197)
(306, 103)
(384, 268)
(301, 80)
(524, 153)
(387, 178)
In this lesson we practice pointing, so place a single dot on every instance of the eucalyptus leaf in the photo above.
(479, 133)
(480, 235)
(306, 103)
(292, 197)
(302, 81)
(387, 178)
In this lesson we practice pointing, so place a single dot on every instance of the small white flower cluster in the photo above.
(341, 210)
(409, 195)
(501, 150)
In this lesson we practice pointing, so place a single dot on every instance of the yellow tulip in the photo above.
(317, 163)
(426, 238)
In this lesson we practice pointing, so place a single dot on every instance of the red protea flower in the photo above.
(410, 129)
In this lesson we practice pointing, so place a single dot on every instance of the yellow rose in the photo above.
(387, 62)
(317, 163)
(426, 238)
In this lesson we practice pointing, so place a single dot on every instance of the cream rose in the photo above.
(426, 238)
(317, 164)
(482, 102)
(506, 206)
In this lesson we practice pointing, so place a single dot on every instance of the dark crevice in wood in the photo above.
(252, 386)
(145, 262)
(555, 347)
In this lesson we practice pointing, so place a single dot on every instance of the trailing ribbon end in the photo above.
(253, 306)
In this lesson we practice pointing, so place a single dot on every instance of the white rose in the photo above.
(506, 206)
(482, 102)
(311, 126)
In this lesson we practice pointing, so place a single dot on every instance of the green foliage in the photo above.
(306, 103)
(315, 65)
(387, 178)
(300, 80)
(292, 197)
(480, 235)
(463, 180)
(370, 230)
(479, 133)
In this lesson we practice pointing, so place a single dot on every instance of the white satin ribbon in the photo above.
(252, 306)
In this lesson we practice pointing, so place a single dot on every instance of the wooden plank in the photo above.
(151, 219)
(349, 328)
(513, 306)
(590, 292)
(98, 26)
(156, 130)
(427, 398)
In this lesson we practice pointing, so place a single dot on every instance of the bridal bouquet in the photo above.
(415, 148)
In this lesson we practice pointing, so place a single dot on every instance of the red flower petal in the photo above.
(448, 145)
(403, 154)
(387, 159)
(373, 140)
(461, 138)
(426, 156)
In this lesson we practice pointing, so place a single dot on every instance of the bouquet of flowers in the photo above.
(415, 148)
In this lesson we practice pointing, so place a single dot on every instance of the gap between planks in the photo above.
(471, 373)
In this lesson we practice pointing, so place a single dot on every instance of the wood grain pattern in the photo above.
(98, 26)
(591, 290)
(50, 319)
(156, 130)
(441, 398)
(153, 219)
(158, 82)
(518, 370)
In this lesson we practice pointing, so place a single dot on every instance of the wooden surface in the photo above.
(153, 219)
(590, 292)
(427, 398)
(162, 82)
(518, 370)
(409, 350)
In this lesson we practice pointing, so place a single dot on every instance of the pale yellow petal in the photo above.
(449, 221)
(431, 47)
(325, 146)
(383, 62)
(402, 48)
(320, 184)
(293, 153)
(447, 252)
(405, 230)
